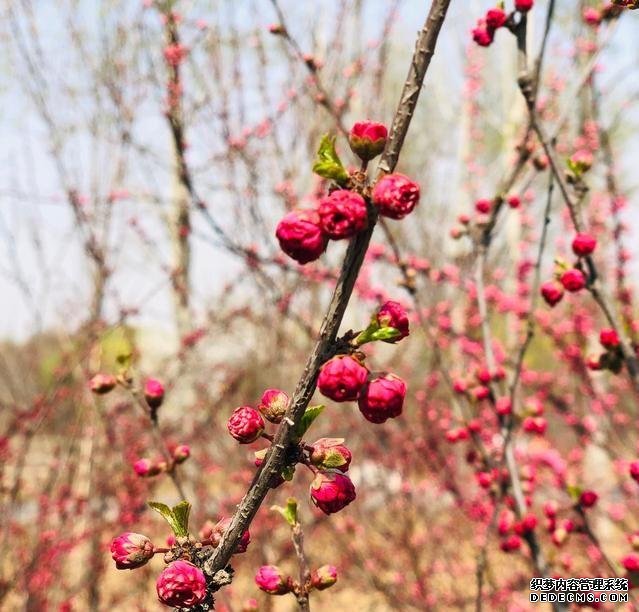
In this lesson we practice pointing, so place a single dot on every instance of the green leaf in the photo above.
(181, 513)
(175, 522)
(124, 360)
(288, 472)
(574, 491)
(387, 334)
(290, 512)
(310, 414)
(333, 460)
(328, 164)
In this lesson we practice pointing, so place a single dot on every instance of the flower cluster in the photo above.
(495, 18)
(304, 234)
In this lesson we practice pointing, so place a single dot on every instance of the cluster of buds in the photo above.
(476, 386)
(483, 207)
(345, 378)
(185, 581)
(495, 18)
(303, 234)
(272, 580)
(570, 278)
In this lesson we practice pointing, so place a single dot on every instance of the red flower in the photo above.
(273, 405)
(552, 292)
(395, 196)
(342, 214)
(131, 550)
(332, 491)
(583, 245)
(609, 338)
(271, 580)
(482, 34)
(382, 398)
(588, 499)
(246, 424)
(367, 139)
(573, 280)
(153, 392)
(181, 584)
(495, 18)
(392, 314)
(342, 378)
(301, 237)
(523, 5)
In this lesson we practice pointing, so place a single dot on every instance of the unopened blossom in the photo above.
(324, 577)
(181, 584)
(101, 384)
(332, 491)
(342, 214)
(573, 280)
(181, 453)
(245, 424)
(482, 34)
(153, 392)
(131, 550)
(395, 196)
(584, 244)
(609, 338)
(495, 18)
(300, 235)
(367, 139)
(524, 5)
(341, 378)
(215, 533)
(330, 453)
(393, 314)
(271, 580)
(146, 467)
(588, 499)
(382, 398)
(273, 405)
(552, 292)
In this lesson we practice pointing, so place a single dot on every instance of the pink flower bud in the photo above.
(216, 532)
(503, 406)
(524, 5)
(131, 550)
(341, 378)
(271, 580)
(300, 235)
(342, 214)
(246, 424)
(273, 405)
(511, 543)
(153, 392)
(392, 314)
(634, 470)
(330, 453)
(483, 206)
(101, 384)
(535, 425)
(146, 467)
(495, 18)
(181, 584)
(181, 453)
(514, 201)
(588, 499)
(631, 562)
(251, 605)
(367, 139)
(332, 491)
(324, 577)
(592, 16)
(583, 245)
(482, 34)
(552, 292)
(609, 338)
(382, 398)
(573, 280)
(395, 196)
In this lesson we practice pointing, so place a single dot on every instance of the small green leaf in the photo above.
(310, 414)
(574, 491)
(124, 360)
(288, 472)
(176, 523)
(386, 334)
(181, 513)
(333, 460)
(290, 512)
(328, 164)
